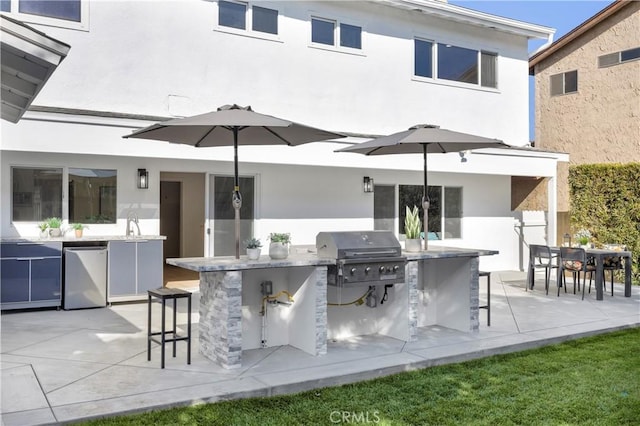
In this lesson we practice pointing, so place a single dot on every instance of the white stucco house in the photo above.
(362, 68)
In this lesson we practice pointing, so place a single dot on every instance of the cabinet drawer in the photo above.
(31, 249)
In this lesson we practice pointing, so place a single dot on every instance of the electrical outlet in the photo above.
(266, 287)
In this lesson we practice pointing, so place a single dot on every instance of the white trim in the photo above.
(83, 25)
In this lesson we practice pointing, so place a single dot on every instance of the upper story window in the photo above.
(455, 63)
(63, 13)
(618, 57)
(334, 33)
(563, 83)
(243, 16)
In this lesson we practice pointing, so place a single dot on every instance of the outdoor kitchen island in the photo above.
(441, 287)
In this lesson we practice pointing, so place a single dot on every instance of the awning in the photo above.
(28, 58)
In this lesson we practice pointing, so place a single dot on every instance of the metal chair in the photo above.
(163, 294)
(488, 305)
(540, 257)
(611, 264)
(573, 259)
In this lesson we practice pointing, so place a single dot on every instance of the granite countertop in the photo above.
(306, 258)
(439, 252)
(72, 238)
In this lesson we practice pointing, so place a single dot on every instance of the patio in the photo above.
(60, 366)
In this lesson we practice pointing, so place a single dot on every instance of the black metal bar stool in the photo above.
(488, 305)
(163, 294)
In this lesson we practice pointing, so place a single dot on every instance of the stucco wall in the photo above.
(600, 123)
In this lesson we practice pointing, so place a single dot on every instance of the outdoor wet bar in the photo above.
(250, 304)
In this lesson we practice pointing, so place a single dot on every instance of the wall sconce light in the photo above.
(463, 156)
(367, 184)
(143, 179)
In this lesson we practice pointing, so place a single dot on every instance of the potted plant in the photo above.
(279, 246)
(253, 246)
(583, 236)
(54, 224)
(44, 226)
(78, 228)
(412, 229)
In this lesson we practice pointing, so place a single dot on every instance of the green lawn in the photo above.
(590, 381)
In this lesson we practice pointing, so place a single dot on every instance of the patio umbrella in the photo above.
(424, 138)
(223, 128)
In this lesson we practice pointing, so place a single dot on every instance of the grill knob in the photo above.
(395, 268)
(367, 269)
(353, 271)
(382, 269)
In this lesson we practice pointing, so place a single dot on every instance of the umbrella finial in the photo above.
(234, 106)
(424, 126)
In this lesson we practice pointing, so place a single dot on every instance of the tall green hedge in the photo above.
(605, 199)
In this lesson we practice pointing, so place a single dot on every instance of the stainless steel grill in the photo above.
(362, 257)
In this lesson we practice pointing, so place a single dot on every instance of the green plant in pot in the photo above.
(253, 246)
(412, 227)
(44, 226)
(54, 224)
(583, 237)
(78, 228)
(279, 245)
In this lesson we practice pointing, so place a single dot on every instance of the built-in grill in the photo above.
(362, 257)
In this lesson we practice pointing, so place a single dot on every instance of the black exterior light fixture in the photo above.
(367, 184)
(143, 179)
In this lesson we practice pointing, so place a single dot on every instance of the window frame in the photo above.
(618, 58)
(337, 45)
(443, 214)
(435, 64)
(29, 18)
(564, 83)
(248, 30)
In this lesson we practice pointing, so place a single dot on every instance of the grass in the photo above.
(589, 381)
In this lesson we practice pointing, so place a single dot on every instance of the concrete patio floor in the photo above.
(64, 366)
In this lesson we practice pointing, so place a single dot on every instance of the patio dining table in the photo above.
(600, 255)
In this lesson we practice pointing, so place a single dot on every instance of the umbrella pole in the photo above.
(236, 197)
(425, 200)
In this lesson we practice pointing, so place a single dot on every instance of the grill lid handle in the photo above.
(371, 253)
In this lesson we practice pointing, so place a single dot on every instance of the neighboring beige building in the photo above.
(587, 94)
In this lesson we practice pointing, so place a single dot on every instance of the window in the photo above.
(223, 242)
(445, 208)
(322, 31)
(423, 58)
(92, 196)
(36, 194)
(384, 213)
(619, 57)
(60, 13)
(265, 20)
(327, 31)
(61, 9)
(237, 15)
(350, 36)
(564, 83)
(455, 63)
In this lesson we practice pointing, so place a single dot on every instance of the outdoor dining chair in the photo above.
(574, 259)
(611, 264)
(540, 257)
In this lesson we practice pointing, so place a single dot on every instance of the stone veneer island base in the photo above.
(441, 288)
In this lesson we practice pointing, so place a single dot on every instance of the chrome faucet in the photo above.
(132, 218)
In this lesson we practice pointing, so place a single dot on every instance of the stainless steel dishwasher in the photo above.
(85, 277)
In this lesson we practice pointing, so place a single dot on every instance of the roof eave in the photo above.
(575, 33)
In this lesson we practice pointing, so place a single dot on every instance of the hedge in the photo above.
(605, 199)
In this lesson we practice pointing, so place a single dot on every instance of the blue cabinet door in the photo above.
(14, 280)
(46, 279)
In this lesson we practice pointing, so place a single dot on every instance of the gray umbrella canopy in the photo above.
(232, 125)
(424, 138)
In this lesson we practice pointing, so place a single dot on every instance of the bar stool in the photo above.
(488, 305)
(163, 294)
